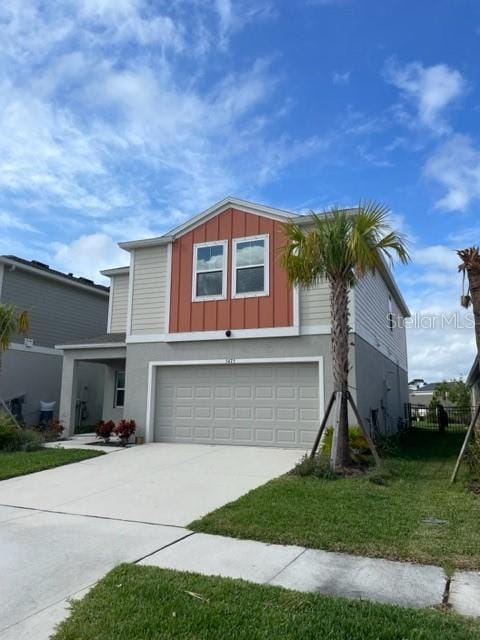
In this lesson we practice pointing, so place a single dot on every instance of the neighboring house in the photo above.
(422, 396)
(207, 342)
(473, 381)
(61, 307)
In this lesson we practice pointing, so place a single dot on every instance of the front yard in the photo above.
(134, 602)
(416, 515)
(20, 463)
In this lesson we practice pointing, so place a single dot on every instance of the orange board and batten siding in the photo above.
(274, 310)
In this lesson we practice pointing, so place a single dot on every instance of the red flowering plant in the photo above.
(125, 429)
(105, 429)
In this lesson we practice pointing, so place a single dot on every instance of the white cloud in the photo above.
(9, 221)
(88, 255)
(430, 89)
(441, 342)
(341, 78)
(455, 165)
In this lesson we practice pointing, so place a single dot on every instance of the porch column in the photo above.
(68, 394)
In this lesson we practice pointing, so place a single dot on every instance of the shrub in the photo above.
(318, 466)
(125, 429)
(14, 438)
(473, 458)
(359, 449)
(105, 429)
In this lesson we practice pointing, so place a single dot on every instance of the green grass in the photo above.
(20, 463)
(357, 516)
(147, 603)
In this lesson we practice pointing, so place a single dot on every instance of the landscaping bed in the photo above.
(19, 463)
(134, 602)
(410, 511)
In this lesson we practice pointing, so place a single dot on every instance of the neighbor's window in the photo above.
(209, 271)
(250, 267)
(119, 396)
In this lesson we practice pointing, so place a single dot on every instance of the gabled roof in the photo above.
(211, 212)
(259, 209)
(427, 388)
(40, 268)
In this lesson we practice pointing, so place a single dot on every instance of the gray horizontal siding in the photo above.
(371, 319)
(58, 312)
(119, 302)
(149, 296)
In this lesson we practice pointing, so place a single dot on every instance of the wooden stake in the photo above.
(465, 443)
(323, 425)
(364, 429)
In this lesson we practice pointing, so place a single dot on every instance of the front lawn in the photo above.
(148, 603)
(20, 463)
(357, 516)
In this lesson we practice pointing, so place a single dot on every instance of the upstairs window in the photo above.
(250, 267)
(209, 271)
(390, 314)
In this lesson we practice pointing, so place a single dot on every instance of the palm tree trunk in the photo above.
(339, 341)
(474, 283)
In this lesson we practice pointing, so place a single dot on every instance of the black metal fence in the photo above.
(423, 417)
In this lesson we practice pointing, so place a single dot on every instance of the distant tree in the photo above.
(455, 391)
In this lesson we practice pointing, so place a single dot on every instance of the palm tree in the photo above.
(470, 266)
(341, 247)
(12, 322)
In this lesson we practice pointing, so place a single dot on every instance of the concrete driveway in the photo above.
(61, 530)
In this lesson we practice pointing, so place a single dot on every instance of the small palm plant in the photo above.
(12, 322)
(341, 247)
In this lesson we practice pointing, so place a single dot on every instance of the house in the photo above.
(61, 307)
(207, 342)
(423, 395)
(473, 381)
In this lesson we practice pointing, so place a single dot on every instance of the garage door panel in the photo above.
(266, 405)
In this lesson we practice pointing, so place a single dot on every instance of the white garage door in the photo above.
(270, 405)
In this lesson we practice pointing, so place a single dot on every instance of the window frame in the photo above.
(196, 247)
(266, 267)
(390, 313)
(116, 389)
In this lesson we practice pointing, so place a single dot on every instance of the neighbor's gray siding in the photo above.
(149, 294)
(37, 375)
(58, 312)
(370, 319)
(119, 303)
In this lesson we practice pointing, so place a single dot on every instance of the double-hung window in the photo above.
(119, 396)
(250, 267)
(210, 271)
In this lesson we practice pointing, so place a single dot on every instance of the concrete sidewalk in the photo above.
(398, 583)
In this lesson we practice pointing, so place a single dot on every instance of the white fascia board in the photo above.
(101, 345)
(115, 271)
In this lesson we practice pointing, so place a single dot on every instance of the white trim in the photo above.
(99, 345)
(228, 203)
(131, 280)
(296, 306)
(64, 279)
(266, 267)
(169, 287)
(18, 346)
(155, 364)
(199, 245)
(115, 271)
(194, 336)
(110, 305)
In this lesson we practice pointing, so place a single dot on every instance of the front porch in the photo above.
(94, 392)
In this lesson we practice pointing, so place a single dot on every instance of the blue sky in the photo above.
(121, 118)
